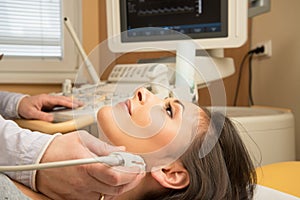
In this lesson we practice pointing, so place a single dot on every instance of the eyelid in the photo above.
(170, 103)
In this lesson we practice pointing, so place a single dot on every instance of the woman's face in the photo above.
(146, 123)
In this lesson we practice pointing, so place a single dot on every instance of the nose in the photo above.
(142, 95)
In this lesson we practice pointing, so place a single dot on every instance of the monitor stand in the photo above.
(211, 65)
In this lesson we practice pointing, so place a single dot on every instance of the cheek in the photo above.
(167, 134)
(146, 145)
(104, 119)
(103, 115)
(162, 138)
(146, 116)
(141, 119)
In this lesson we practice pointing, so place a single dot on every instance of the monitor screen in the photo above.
(191, 17)
(210, 23)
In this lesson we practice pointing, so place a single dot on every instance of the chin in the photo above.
(103, 114)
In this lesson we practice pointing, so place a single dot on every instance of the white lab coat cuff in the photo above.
(17, 106)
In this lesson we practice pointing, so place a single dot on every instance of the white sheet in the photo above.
(265, 193)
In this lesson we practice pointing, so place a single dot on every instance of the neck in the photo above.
(131, 194)
(147, 184)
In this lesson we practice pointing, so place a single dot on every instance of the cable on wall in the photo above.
(248, 56)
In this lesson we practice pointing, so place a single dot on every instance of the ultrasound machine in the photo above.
(196, 30)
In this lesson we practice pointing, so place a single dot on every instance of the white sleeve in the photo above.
(9, 103)
(20, 147)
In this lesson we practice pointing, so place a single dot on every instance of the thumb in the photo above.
(97, 146)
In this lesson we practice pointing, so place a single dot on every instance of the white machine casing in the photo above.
(268, 133)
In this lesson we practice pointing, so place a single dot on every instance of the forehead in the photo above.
(189, 108)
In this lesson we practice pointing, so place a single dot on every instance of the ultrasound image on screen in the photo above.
(195, 18)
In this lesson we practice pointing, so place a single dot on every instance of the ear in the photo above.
(174, 176)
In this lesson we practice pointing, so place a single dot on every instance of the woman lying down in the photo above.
(186, 156)
(190, 153)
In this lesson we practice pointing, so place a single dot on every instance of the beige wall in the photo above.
(90, 24)
(276, 80)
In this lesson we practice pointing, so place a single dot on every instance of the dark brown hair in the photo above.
(226, 172)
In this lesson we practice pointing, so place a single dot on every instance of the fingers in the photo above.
(63, 101)
(133, 184)
(115, 180)
(42, 116)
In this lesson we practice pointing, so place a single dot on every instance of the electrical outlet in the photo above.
(258, 7)
(267, 48)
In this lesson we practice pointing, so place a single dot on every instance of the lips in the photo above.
(128, 105)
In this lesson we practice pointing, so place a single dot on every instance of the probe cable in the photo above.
(113, 159)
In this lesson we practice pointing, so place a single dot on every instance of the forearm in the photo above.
(20, 147)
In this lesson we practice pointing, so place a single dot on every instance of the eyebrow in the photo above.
(179, 102)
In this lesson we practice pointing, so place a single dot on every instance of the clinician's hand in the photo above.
(31, 107)
(83, 181)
